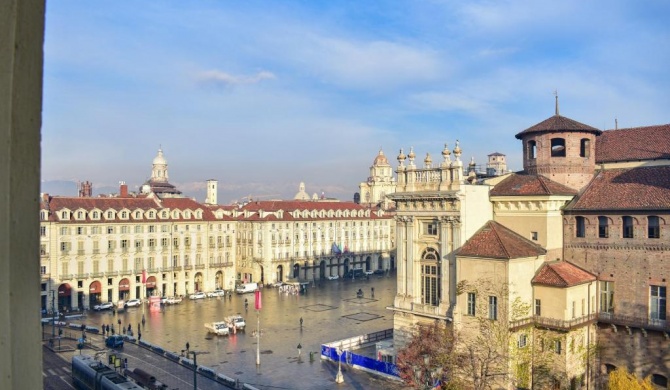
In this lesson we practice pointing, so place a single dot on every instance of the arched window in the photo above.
(628, 231)
(653, 227)
(532, 149)
(585, 147)
(430, 277)
(557, 147)
(603, 227)
(581, 227)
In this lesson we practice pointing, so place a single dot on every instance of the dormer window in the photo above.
(110, 215)
(80, 215)
(64, 215)
(124, 215)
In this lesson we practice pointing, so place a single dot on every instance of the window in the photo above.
(471, 303)
(533, 236)
(653, 227)
(574, 309)
(430, 278)
(557, 347)
(627, 227)
(138, 229)
(43, 231)
(557, 147)
(657, 303)
(493, 308)
(607, 297)
(538, 307)
(110, 229)
(581, 227)
(585, 148)
(523, 340)
(660, 381)
(532, 149)
(431, 229)
(603, 227)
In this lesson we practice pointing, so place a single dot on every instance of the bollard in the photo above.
(311, 356)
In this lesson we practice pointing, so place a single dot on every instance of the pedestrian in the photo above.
(139, 336)
(372, 289)
(300, 322)
(107, 328)
(138, 327)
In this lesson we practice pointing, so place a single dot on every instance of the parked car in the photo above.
(198, 295)
(114, 341)
(380, 272)
(216, 293)
(104, 306)
(369, 272)
(133, 303)
(333, 277)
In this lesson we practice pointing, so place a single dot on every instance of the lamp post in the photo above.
(195, 354)
(339, 378)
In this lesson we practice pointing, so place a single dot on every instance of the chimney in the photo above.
(85, 189)
(123, 191)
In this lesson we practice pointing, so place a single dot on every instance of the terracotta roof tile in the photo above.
(634, 144)
(562, 274)
(558, 123)
(495, 241)
(520, 184)
(626, 189)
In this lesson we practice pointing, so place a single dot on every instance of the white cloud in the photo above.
(218, 77)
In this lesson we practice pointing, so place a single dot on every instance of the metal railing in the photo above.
(634, 322)
(553, 323)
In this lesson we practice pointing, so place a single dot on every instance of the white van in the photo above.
(246, 288)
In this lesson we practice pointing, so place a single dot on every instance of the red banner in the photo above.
(257, 295)
(144, 276)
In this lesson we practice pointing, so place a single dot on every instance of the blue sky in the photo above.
(262, 95)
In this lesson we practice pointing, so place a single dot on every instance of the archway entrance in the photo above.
(280, 273)
(150, 285)
(64, 296)
(296, 271)
(306, 268)
(346, 267)
(218, 281)
(322, 269)
(368, 263)
(392, 263)
(380, 263)
(94, 292)
(262, 275)
(198, 282)
(124, 289)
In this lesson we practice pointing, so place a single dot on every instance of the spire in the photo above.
(556, 95)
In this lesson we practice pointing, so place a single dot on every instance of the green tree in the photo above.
(621, 379)
(429, 357)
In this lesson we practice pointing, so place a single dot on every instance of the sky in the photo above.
(263, 95)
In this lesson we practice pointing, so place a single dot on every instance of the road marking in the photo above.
(51, 372)
(66, 369)
(44, 374)
(66, 382)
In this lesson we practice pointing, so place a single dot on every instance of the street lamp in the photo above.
(195, 354)
(339, 378)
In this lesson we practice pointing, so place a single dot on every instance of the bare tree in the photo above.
(429, 357)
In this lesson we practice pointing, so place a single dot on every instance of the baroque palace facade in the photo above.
(114, 248)
(560, 272)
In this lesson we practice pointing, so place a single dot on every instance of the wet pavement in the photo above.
(330, 312)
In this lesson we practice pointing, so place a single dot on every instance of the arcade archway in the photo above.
(280, 273)
(296, 271)
(94, 293)
(198, 282)
(64, 296)
(322, 269)
(218, 280)
(368, 263)
(150, 286)
(124, 289)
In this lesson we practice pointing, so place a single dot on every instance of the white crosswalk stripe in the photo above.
(51, 372)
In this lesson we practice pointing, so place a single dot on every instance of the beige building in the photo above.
(436, 211)
(99, 249)
(296, 240)
(380, 183)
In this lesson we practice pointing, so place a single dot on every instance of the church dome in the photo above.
(159, 159)
(381, 159)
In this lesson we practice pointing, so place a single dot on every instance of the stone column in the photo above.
(445, 258)
(21, 61)
(409, 255)
(400, 251)
(456, 244)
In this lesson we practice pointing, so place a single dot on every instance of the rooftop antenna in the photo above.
(556, 94)
(616, 124)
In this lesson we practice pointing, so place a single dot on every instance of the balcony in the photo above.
(199, 266)
(66, 277)
(45, 276)
(634, 322)
(153, 270)
(97, 274)
(111, 273)
(421, 308)
(126, 272)
(124, 250)
(177, 268)
(96, 251)
(553, 323)
(81, 276)
(81, 252)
